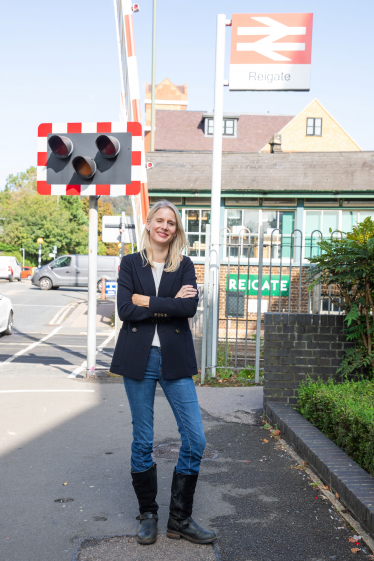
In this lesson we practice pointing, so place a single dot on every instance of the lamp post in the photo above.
(40, 241)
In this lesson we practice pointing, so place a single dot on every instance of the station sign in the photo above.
(249, 284)
(271, 52)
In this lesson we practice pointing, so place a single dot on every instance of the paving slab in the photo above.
(126, 548)
(233, 405)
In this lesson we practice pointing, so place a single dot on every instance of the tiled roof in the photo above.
(184, 130)
(296, 171)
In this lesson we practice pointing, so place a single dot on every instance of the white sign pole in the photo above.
(92, 285)
(216, 180)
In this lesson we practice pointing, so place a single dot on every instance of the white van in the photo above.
(10, 269)
(72, 270)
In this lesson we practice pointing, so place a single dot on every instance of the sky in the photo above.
(59, 63)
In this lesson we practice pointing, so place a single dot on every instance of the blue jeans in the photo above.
(181, 395)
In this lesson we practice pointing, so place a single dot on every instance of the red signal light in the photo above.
(108, 146)
(61, 146)
(84, 167)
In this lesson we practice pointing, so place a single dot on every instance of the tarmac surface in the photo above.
(66, 492)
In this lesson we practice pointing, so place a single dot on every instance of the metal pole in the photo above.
(40, 255)
(259, 296)
(205, 309)
(123, 222)
(92, 285)
(216, 180)
(23, 256)
(153, 109)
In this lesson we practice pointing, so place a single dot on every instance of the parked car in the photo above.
(10, 269)
(6, 315)
(27, 273)
(72, 270)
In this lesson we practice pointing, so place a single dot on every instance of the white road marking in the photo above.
(38, 306)
(11, 358)
(78, 370)
(60, 316)
(43, 391)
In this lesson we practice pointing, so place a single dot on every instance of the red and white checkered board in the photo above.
(105, 128)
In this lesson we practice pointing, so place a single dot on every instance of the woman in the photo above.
(157, 293)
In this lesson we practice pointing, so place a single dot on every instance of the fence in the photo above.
(258, 274)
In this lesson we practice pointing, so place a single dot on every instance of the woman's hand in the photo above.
(187, 291)
(140, 300)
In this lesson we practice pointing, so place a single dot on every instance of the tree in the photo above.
(26, 215)
(25, 181)
(348, 263)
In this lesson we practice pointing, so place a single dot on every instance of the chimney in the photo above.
(275, 143)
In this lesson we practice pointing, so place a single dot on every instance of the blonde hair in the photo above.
(177, 245)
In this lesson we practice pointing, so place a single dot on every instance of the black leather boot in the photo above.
(180, 523)
(145, 486)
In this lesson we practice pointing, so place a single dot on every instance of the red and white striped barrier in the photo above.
(130, 85)
(73, 128)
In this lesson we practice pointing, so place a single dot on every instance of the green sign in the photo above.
(249, 284)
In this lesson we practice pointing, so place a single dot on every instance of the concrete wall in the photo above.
(297, 345)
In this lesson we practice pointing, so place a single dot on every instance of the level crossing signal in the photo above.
(89, 159)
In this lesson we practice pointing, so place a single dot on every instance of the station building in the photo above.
(292, 172)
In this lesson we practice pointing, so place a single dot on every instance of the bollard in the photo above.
(103, 288)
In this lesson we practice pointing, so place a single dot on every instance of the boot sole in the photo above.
(146, 542)
(178, 535)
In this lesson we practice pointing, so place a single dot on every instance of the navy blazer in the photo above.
(169, 313)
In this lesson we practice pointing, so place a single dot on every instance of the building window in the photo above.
(235, 304)
(327, 223)
(228, 127)
(328, 307)
(195, 221)
(313, 127)
(243, 228)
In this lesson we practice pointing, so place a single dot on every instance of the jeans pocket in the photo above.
(190, 349)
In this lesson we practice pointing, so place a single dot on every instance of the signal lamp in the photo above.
(135, 7)
(108, 146)
(40, 240)
(119, 245)
(149, 165)
(84, 167)
(61, 146)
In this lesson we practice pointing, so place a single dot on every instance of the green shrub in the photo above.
(345, 413)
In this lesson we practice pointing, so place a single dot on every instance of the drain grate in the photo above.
(169, 451)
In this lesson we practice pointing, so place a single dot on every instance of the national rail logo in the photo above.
(271, 52)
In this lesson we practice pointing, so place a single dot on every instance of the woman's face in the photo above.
(163, 226)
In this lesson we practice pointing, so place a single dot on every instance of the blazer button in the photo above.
(134, 330)
(177, 331)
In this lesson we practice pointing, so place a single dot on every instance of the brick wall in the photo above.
(296, 345)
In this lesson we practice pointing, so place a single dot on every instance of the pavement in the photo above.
(66, 492)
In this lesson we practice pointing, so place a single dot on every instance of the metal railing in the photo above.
(258, 274)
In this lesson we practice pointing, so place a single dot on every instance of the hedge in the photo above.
(344, 412)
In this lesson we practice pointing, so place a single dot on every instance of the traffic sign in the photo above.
(110, 288)
(271, 52)
(89, 159)
(114, 227)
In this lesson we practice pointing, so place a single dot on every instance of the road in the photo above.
(50, 331)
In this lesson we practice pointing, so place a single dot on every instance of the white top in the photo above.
(157, 271)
